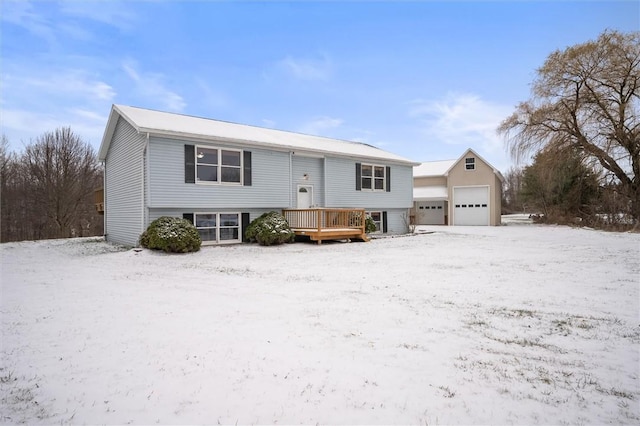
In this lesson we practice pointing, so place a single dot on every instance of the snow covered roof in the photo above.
(433, 168)
(185, 126)
(430, 193)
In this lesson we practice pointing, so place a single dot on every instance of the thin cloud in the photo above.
(22, 13)
(153, 87)
(25, 126)
(461, 119)
(320, 125)
(63, 83)
(268, 123)
(35, 101)
(307, 69)
(49, 20)
(113, 13)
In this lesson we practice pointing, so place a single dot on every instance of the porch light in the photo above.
(305, 176)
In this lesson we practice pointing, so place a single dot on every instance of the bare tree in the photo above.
(512, 186)
(47, 191)
(587, 98)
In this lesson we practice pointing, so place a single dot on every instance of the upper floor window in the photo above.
(218, 165)
(470, 163)
(373, 177)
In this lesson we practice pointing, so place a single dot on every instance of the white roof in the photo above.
(429, 193)
(185, 126)
(433, 168)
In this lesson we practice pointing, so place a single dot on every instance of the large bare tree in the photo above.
(47, 190)
(586, 98)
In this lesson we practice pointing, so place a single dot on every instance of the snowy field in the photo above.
(519, 324)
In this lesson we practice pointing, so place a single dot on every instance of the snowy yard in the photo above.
(505, 325)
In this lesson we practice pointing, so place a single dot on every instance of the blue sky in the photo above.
(422, 79)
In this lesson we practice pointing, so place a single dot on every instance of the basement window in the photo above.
(218, 228)
(377, 219)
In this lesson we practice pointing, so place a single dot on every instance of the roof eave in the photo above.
(110, 129)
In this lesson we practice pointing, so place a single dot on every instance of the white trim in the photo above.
(373, 178)
(219, 166)
(217, 228)
(381, 221)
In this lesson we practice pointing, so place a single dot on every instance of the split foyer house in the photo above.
(466, 191)
(222, 175)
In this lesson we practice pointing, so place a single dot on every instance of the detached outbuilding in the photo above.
(466, 191)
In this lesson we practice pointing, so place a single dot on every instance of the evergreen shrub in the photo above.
(171, 235)
(270, 229)
(369, 225)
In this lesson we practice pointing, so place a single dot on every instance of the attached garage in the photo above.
(471, 205)
(466, 191)
(430, 212)
(430, 205)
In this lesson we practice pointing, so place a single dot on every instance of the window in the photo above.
(470, 163)
(377, 219)
(218, 165)
(373, 177)
(218, 227)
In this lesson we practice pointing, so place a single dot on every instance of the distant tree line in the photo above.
(47, 190)
(582, 126)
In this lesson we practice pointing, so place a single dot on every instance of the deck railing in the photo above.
(319, 219)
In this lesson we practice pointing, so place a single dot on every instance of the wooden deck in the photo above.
(327, 224)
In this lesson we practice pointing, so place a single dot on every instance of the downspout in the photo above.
(324, 182)
(144, 181)
(290, 179)
(104, 198)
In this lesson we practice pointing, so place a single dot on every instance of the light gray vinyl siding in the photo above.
(314, 169)
(167, 188)
(397, 221)
(124, 186)
(341, 187)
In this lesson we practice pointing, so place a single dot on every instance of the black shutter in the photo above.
(388, 173)
(247, 168)
(189, 164)
(188, 216)
(384, 222)
(358, 177)
(245, 223)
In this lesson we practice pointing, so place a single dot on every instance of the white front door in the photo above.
(305, 196)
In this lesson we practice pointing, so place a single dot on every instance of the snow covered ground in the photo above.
(519, 324)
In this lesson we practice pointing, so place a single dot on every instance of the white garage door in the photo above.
(471, 205)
